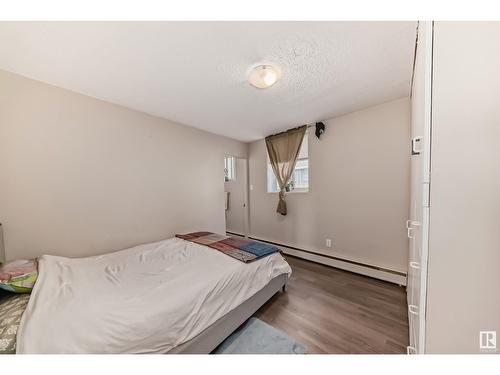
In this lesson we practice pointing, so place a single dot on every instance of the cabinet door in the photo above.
(417, 224)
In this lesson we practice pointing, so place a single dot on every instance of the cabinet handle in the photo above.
(414, 142)
(409, 231)
(412, 223)
(415, 265)
(413, 309)
(409, 227)
(411, 350)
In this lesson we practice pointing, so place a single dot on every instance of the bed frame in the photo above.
(206, 341)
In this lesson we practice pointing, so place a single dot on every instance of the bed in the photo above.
(172, 296)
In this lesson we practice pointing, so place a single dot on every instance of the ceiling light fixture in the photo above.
(264, 76)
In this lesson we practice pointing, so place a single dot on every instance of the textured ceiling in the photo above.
(195, 73)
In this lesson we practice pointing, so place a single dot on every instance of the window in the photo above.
(229, 168)
(299, 181)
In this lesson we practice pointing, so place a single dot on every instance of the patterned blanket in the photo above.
(12, 307)
(238, 248)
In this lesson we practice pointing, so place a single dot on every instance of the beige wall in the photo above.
(358, 194)
(464, 247)
(80, 176)
(235, 215)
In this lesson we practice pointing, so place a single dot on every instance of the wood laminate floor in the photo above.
(335, 311)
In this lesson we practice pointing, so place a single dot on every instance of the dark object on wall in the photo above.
(320, 129)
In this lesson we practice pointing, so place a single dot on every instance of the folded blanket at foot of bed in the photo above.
(238, 248)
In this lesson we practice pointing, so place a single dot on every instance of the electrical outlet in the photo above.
(328, 242)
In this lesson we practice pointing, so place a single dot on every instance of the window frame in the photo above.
(233, 169)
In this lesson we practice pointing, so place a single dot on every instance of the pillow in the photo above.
(19, 276)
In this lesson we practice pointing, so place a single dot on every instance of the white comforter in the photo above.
(146, 299)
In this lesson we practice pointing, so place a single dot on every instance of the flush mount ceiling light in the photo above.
(264, 76)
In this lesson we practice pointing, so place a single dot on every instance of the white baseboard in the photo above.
(235, 233)
(344, 264)
(380, 274)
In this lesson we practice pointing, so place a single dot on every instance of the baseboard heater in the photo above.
(380, 273)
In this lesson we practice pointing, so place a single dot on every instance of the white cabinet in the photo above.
(456, 67)
(418, 224)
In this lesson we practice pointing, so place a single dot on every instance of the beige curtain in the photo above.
(283, 150)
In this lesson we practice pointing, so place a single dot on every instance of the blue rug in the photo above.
(257, 337)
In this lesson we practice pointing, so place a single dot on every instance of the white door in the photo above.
(236, 187)
(418, 223)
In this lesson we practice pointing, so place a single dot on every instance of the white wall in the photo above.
(358, 194)
(464, 246)
(80, 176)
(235, 215)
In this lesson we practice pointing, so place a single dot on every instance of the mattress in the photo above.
(146, 299)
